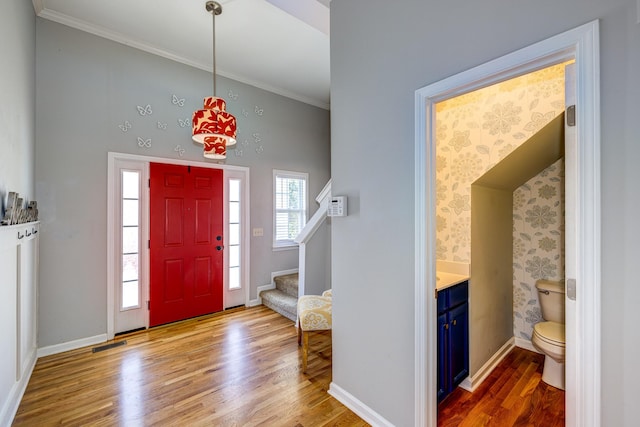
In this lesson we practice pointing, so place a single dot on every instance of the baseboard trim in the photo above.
(71, 345)
(10, 407)
(359, 408)
(258, 301)
(526, 344)
(472, 383)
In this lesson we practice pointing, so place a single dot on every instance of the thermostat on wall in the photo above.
(337, 206)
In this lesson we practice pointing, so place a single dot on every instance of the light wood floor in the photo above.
(240, 368)
(512, 395)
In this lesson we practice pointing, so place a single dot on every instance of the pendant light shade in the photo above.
(213, 126)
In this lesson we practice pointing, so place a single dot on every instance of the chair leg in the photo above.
(305, 350)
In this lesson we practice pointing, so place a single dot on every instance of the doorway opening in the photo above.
(128, 261)
(582, 166)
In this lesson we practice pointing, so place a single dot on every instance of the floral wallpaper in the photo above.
(538, 243)
(473, 133)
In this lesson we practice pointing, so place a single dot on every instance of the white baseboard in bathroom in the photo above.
(472, 383)
(254, 302)
(526, 344)
(359, 408)
(71, 345)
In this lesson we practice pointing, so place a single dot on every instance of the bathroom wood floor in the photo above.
(512, 395)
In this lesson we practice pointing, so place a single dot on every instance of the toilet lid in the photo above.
(551, 332)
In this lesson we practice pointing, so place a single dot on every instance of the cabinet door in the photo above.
(443, 357)
(458, 319)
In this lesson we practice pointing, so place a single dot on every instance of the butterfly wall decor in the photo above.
(177, 101)
(145, 111)
(144, 143)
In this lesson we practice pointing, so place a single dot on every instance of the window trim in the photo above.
(278, 173)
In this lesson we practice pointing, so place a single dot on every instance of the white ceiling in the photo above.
(278, 45)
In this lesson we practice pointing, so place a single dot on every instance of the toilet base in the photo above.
(553, 373)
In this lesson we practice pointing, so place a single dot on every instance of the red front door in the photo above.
(186, 256)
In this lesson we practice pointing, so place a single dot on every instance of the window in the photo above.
(234, 234)
(130, 288)
(290, 206)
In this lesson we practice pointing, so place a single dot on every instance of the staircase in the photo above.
(284, 298)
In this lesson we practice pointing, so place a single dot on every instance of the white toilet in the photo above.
(548, 336)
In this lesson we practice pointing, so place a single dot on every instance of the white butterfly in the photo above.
(232, 95)
(177, 101)
(145, 110)
(238, 153)
(259, 110)
(162, 126)
(260, 149)
(179, 150)
(184, 123)
(144, 142)
(245, 142)
(125, 126)
(245, 113)
(256, 137)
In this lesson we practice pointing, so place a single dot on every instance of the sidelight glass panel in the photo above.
(234, 237)
(130, 234)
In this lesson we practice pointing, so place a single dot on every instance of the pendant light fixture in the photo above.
(213, 126)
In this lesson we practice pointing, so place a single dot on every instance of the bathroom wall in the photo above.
(538, 243)
(474, 132)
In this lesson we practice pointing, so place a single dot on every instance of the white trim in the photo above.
(282, 273)
(258, 301)
(526, 344)
(472, 383)
(71, 345)
(358, 407)
(12, 403)
(279, 173)
(326, 191)
(581, 44)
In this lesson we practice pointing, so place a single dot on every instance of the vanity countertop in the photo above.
(445, 280)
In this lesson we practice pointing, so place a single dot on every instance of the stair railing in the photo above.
(309, 231)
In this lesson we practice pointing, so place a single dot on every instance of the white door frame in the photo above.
(112, 270)
(583, 398)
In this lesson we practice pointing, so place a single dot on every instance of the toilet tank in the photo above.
(551, 297)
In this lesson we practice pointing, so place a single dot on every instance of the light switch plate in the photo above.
(258, 232)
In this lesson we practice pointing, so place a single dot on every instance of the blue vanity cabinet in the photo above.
(453, 337)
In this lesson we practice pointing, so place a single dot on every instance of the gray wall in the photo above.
(86, 88)
(17, 103)
(379, 57)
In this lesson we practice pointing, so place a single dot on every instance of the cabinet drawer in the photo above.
(453, 296)
(458, 294)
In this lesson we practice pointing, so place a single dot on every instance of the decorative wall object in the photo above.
(125, 126)
(16, 213)
(144, 143)
(145, 111)
(179, 150)
(177, 101)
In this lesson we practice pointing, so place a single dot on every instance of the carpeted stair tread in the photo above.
(280, 302)
(287, 283)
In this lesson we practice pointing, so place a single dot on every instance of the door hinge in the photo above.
(189, 169)
(148, 305)
(435, 293)
(149, 182)
(149, 244)
(571, 115)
